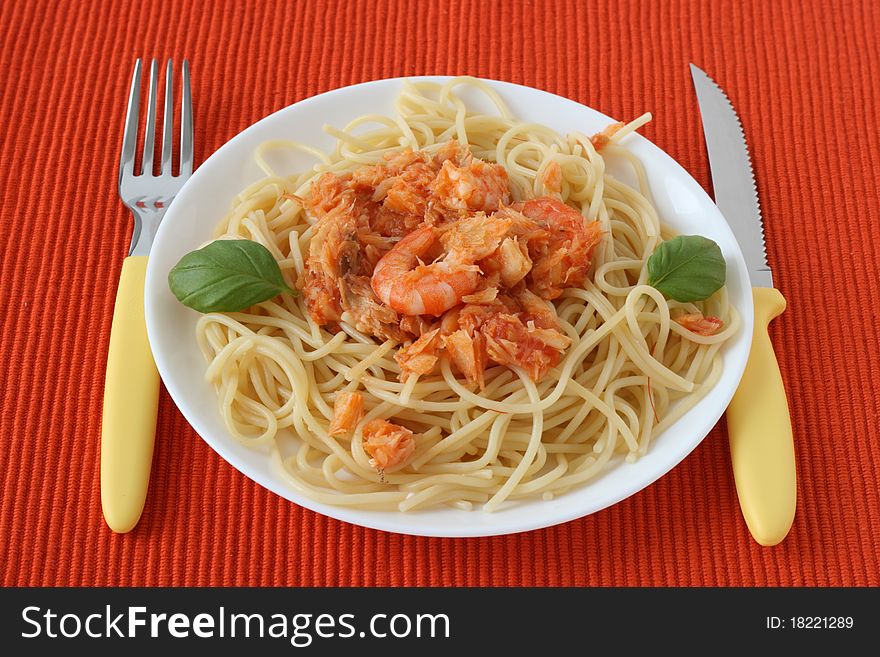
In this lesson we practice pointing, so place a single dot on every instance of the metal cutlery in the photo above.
(758, 421)
(131, 388)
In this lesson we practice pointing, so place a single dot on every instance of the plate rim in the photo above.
(378, 520)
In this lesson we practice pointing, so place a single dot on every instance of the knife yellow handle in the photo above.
(759, 426)
(131, 398)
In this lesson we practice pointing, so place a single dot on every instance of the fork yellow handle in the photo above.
(131, 398)
(759, 428)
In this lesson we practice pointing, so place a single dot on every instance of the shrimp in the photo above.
(543, 314)
(697, 323)
(334, 252)
(533, 235)
(420, 357)
(329, 192)
(510, 342)
(401, 281)
(451, 150)
(565, 262)
(407, 192)
(449, 321)
(372, 255)
(521, 330)
(485, 296)
(468, 353)
(388, 444)
(420, 236)
(474, 186)
(321, 296)
(390, 223)
(551, 178)
(463, 341)
(511, 261)
(367, 314)
(391, 197)
(471, 316)
(474, 238)
(332, 285)
(368, 178)
(602, 139)
(348, 409)
(415, 325)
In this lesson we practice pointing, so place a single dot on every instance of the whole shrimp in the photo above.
(401, 281)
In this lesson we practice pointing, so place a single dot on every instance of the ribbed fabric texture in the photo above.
(805, 78)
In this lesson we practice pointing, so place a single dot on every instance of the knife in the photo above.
(758, 421)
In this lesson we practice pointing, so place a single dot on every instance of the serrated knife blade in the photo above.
(732, 176)
(758, 421)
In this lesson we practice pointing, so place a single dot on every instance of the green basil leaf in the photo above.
(227, 276)
(687, 268)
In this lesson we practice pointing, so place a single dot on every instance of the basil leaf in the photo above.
(227, 276)
(687, 268)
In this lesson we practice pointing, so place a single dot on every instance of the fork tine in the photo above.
(168, 119)
(186, 125)
(129, 135)
(150, 136)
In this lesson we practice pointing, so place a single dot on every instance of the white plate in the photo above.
(206, 197)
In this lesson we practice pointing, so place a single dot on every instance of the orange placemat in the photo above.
(805, 77)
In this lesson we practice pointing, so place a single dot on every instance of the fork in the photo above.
(131, 387)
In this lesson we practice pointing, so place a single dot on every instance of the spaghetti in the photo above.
(629, 371)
